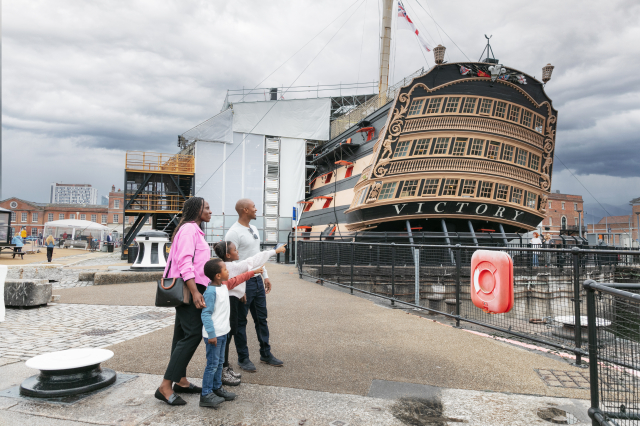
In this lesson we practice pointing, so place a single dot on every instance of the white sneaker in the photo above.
(229, 379)
(230, 370)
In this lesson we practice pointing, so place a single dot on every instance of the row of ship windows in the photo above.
(479, 106)
(461, 146)
(467, 188)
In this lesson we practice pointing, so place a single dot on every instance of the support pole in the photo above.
(458, 274)
(473, 233)
(504, 235)
(593, 350)
(447, 240)
(393, 273)
(385, 47)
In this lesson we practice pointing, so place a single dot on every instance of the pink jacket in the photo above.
(181, 261)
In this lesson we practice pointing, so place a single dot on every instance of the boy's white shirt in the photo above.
(240, 266)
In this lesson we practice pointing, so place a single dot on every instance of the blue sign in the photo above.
(295, 213)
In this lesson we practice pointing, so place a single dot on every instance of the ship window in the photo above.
(514, 113)
(516, 196)
(442, 146)
(422, 147)
(434, 105)
(469, 106)
(450, 187)
(508, 153)
(485, 106)
(494, 149)
(416, 107)
(501, 108)
(452, 104)
(531, 200)
(430, 187)
(469, 188)
(402, 149)
(535, 162)
(539, 124)
(388, 190)
(477, 146)
(409, 188)
(522, 157)
(460, 146)
(502, 192)
(486, 189)
(527, 118)
(363, 195)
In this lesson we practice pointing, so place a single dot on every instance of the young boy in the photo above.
(215, 320)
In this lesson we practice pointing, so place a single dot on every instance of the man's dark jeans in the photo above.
(257, 305)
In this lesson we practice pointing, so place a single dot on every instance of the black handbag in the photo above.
(172, 292)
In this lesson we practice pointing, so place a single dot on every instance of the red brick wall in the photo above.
(555, 212)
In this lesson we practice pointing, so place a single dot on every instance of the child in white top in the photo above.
(227, 251)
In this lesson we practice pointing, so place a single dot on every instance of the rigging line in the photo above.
(305, 45)
(445, 33)
(364, 15)
(565, 166)
(421, 47)
(433, 40)
(278, 100)
(437, 29)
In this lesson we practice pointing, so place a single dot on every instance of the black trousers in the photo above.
(257, 305)
(49, 253)
(234, 304)
(187, 335)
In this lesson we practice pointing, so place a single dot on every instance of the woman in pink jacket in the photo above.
(189, 252)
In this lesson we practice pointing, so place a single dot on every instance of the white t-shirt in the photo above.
(536, 241)
(246, 240)
(240, 266)
(221, 310)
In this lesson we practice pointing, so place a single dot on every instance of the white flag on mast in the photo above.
(405, 22)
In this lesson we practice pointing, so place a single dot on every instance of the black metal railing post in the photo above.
(458, 277)
(321, 262)
(575, 258)
(352, 257)
(299, 255)
(393, 273)
(593, 351)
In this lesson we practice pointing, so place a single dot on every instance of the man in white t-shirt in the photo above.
(247, 241)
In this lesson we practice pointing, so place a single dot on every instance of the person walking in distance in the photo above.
(50, 242)
(245, 238)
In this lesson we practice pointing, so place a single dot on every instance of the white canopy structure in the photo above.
(76, 228)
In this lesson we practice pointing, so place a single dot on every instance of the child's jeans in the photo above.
(212, 378)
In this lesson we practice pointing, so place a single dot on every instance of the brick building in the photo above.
(563, 214)
(625, 224)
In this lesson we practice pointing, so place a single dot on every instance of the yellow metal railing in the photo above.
(156, 203)
(160, 163)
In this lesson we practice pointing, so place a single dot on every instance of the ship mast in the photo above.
(385, 49)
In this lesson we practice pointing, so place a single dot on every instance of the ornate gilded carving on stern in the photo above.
(544, 199)
(393, 131)
(375, 191)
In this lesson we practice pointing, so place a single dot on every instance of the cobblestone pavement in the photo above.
(30, 332)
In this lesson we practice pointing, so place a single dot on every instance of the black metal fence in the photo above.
(613, 313)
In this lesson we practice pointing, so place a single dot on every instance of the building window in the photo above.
(549, 204)
(61, 216)
(502, 192)
(450, 187)
(550, 222)
(501, 109)
(34, 232)
(494, 149)
(459, 146)
(104, 218)
(452, 104)
(34, 217)
(469, 106)
(539, 126)
(126, 219)
(83, 217)
(13, 217)
(422, 147)
(442, 146)
(485, 106)
(116, 218)
(486, 189)
(402, 149)
(563, 205)
(527, 117)
(469, 188)
(516, 196)
(363, 196)
(563, 222)
(388, 190)
(50, 217)
(94, 218)
(508, 153)
(514, 113)
(575, 206)
(575, 221)
(522, 157)
(416, 107)
(477, 146)
(116, 204)
(409, 188)
(434, 106)
(531, 200)
(72, 216)
(535, 162)
(24, 217)
(430, 187)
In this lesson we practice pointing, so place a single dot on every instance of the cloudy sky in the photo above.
(83, 82)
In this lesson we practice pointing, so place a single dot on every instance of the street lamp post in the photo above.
(638, 224)
(579, 223)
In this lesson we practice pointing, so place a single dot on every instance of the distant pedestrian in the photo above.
(19, 243)
(23, 234)
(50, 242)
(536, 242)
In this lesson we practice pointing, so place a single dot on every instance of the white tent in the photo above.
(76, 228)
